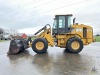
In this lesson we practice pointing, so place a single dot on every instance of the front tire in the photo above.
(74, 45)
(40, 45)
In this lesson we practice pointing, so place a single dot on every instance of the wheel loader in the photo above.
(63, 34)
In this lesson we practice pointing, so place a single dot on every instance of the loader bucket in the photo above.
(16, 46)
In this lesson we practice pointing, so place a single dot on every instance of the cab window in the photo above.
(61, 21)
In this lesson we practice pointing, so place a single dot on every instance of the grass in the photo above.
(2, 40)
(32, 38)
(97, 38)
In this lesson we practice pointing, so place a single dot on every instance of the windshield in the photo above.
(55, 24)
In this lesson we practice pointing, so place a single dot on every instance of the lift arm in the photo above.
(45, 33)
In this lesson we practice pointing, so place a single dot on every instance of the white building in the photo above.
(5, 33)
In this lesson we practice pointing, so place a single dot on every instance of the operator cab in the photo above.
(62, 24)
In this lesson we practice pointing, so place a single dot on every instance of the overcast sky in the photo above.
(30, 15)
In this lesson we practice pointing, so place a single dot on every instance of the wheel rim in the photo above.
(75, 45)
(39, 45)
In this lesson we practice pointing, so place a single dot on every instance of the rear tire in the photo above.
(40, 45)
(74, 45)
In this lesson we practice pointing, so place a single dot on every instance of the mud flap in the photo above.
(15, 47)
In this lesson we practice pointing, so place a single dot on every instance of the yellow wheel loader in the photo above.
(63, 34)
